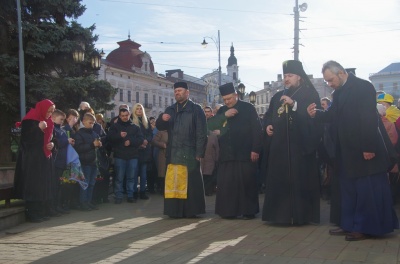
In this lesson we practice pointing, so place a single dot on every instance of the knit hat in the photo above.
(385, 98)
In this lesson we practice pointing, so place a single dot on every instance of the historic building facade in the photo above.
(197, 91)
(387, 80)
(131, 71)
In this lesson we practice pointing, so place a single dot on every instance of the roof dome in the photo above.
(128, 55)
(232, 59)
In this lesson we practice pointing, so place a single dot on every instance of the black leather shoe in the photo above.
(228, 217)
(338, 232)
(248, 217)
(85, 207)
(54, 213)
(143, 196)
(354, 236)
(93, 206)
(131, 200)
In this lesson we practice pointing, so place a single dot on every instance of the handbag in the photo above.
(102, 160)
(176, 181)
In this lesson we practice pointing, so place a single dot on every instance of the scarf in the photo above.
(39, 114)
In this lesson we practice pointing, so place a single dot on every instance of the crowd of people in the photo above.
(301, 150)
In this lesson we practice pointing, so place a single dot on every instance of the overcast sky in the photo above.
(360, 34)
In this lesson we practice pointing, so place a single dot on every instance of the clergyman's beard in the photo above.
(293, 86)
(181, 99)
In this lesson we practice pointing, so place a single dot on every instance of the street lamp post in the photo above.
(296, 9)
(241, 89)
(21, 62)
(217, 43)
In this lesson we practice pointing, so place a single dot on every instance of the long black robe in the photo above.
(292, 183)
(187, 139)
(33, 172)
(237, 189)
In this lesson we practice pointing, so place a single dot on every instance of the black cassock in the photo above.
(237, 189)
(33, 171)
(292, 183)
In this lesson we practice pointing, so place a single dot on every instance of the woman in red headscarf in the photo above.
(34, 166)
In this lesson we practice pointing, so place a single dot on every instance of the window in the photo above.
(159, 101)
(129, 96)
(145, 66)
(257, 99)
(166, 101)
(234, 76)
(262, 110)
(154, 99)
(146, 100)
(172, 101)
(262, 99)
(121, 95)
(137, 97)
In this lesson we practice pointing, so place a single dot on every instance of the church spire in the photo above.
(232, 59)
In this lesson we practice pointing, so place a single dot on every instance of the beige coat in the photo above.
(211, 155)
(160, 141)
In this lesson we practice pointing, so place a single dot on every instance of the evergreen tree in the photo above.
(50, 35)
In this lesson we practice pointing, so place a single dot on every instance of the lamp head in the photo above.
(303, 7)
(252, 97)
(79, 53)
(241, 88)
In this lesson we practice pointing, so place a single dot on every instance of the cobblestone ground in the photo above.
(139, 233)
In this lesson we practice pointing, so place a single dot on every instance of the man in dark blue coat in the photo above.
(185, 122)
(361, 153)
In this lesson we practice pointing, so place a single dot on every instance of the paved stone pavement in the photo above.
(139, 233)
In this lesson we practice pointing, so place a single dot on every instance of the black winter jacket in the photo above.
(61, 142)
(84, 139)
(187, 133)
(355, 128)
(134, 135)
(145, 154)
